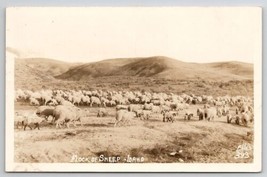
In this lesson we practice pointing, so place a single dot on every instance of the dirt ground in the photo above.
(139, 141)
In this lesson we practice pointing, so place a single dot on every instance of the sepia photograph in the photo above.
(134, 89)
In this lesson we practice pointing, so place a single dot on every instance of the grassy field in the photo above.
(197, 87)
(182, 141)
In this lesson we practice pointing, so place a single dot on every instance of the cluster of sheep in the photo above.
(62, 106)
(243, 113)
(60, 115)
(113, 98)
(124, 113)
(27, 119)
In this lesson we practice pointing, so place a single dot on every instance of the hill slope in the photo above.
(49, 66)
(156, 74)
(160, 67)
(235, 68)
(38, 71)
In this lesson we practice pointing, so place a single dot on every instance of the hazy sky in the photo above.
(90, 34)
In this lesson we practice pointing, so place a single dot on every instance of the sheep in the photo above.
(20, 95)
(250, 108)
(218, 103)
(199, 99)
(174, 113)
(210, 113)
(34, 102)
(102, 112)
(234, 118)
(66, 103)
(156, 109)
(123, 116)
(194, 101)
(52, 102)
(244, 108)
(219, 111)
(95, 100)
(137, 109)
(50, 119)
(134, 107)
(45, 111)
(168, 117)
(104, 103)
(188, 115)
(76, 99)
(86, 99)
(30, 120)
(246, 118)
(165, 108)
(229, 118)
(67, 114)
(46, 95)
(145, 114)
(139, 113)
(189, 100)
(200, 113)
(225, 110)
(156, 102)
(148, 106)
(19, 118)
(173, 106)
(119, 107)
(181, 106)
(241, 119)
(111, 103)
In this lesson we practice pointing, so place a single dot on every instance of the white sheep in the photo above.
(188, 115)
(168, 116)
(32, 120)
(102, 112)
(156, 109)
(95, 100)
(146, 114)
(124, 107)
(19, 118)
(67, 115)
(210, 113)
(123, 116)
(34, 102)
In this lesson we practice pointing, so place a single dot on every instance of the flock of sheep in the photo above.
(62, 108)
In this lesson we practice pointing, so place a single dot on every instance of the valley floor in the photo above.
(191, 141)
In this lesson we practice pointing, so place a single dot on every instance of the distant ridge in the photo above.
(157, 74)
(159, 67)
(49, 66)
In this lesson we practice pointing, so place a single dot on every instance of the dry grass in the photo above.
(197, 87)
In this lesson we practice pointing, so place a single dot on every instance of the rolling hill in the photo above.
(159, 74)
(48, 66)
(160, 67)
(235, 68)
(38, 70)
(29, 67)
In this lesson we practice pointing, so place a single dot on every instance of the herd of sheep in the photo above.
(63, 108)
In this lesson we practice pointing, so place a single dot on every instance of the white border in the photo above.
(256, 166)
